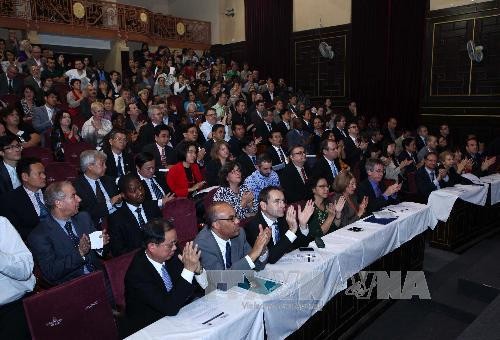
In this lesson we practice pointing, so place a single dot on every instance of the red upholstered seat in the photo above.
(116, 268)
(72, 152)
(209, 198)
(78, 309)
(9, 99)
(178, 102)
(60, 171)
(182, 212)
(45, 154)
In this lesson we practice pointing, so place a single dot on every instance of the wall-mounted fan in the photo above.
(475, 52)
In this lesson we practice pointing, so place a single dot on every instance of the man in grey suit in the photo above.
(60, 243)
(223, 243)
(43, 115)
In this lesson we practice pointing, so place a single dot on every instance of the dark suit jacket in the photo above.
(276, 251)
(169, 154)
(89, 202)
(54, 251)
(146, 136)
(5, 181)
(17, 85)
(353, 154)
(273, 154)
(266, 95)
(322, 169)
(146, 297)
(212, 168)
(29, 80)
(338, 134)
(374, 204)
(281, 127)
(247, 166)
(261, 130)
(124, 232)
(293, 138)
(403, 155)
(112, 169)
(41, 121)
(292, 184)
(18, 208)
(234, 146)
(211, 258)
(424, 184)
(148, 195)
(477, 160)
(419, 143)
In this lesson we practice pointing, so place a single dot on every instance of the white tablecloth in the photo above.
(494, 182)
(441, 201)
(240, 322)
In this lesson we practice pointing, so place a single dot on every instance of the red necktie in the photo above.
(304, 176)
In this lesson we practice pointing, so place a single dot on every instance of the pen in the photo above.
(215, 317)
(391, 210)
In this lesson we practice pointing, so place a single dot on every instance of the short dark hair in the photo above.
(217, 126)
(51, 91)
(246, 142)
(225, 170)
(74, 80)
(142, 158)
(112, 134)
(260, 101)
(431, 153)
(182, 151)
(407, 141)
(154, 231)
(337, 119)
(24, 166)
(161, 127)
(7, 140)
(264, 193)
(235, 124)
(264, 158)
(124, 181)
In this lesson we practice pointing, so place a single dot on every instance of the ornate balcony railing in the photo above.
(94, 16)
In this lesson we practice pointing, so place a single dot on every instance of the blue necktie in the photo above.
(254, 160)
(156, 189)
(119, 166)
(433, 177)
(378, 192)
(140, 218)
(43, 209)
(69, 229)
(228, 255)
(276, 232)
(167, 281)
(334, 169)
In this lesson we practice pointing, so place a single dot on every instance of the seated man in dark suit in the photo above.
(24, 206)
(43, 115)
(163, 153)
(119, 161)
(247, 159)
(294, 176)
(275, 151)
(286, 233)
(10, 151)
(339, 128)
(159, 282)
(374, 189)
(480, 166)
(410, 153)
(60, 243)
(126, 223)
(328, 166)
(235, 140)
(224, 245)
(354, 146)
(155, 187)
(218, 134)
(429, 178)
(285, 123)
(98, 192)
(10, 83)
(146, 132)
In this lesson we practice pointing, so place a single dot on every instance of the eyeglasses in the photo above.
(353, 127)
(323, 186)
(235, 171)
(12, 147)
(300, 153)
(168, 245)
(230, 218)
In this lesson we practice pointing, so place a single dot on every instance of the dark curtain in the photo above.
(387, 56)
(268, 28)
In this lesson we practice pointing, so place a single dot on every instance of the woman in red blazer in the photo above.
(185, 178)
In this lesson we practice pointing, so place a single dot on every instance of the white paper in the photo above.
(384, 214)
(96, 240)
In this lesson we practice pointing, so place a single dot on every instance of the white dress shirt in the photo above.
(289, 234)
(16, 264)
(150, 188)
(222, 246)
(33, 200)
(133, 209)
(13, 175)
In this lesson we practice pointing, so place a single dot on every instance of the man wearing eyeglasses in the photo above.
(354, 147)
(378, 195)
(10, 150)
(160, 281)
(224, 245)
(294, 176)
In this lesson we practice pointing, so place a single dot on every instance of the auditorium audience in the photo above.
(345, 186)
(184, 178)
(293, 177)
(328, 166)
(393, 167)
(453, 169)
(219, 155)
(247, 159)
(261, 178)
(118, 160)
(480, 165)
(10, 151)
(58, 259)
(430, 177)
(16, 127)
(96, 128)
(223, 242)
(326, 216)
(43, 116)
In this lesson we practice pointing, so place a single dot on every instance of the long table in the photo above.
(309, 282)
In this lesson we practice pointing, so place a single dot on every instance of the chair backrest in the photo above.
(10, 99)
(60, 171)
(209, 198)
(72, 152)
(116, 268)
(412, 182)
(77, 309)
(45, 154)
(182, 212)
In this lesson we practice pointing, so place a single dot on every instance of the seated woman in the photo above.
(345, 185)
(219, 155)
(326, 216)
(103, 91)
(185, 178)
(109, 104)
(230, 191)
(161, 89)
(94, 129)
(64, 131)
(27, 104)
(75, 97)
(191, 98)
(454, 169)
(14, 126)
(393, 168)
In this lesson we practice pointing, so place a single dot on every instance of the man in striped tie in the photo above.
(160, 281)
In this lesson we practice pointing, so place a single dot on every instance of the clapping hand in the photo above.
(105, 237)
(362, 206)
(167, 198)
(441, 174)
(247, 199)
(488, 162)
(191, 257)
(260, 243)
(305, 215)
(392, 189)
(339, 205)
(84, 245)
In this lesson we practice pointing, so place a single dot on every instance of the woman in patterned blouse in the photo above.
(230, 191)
(326, 216)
